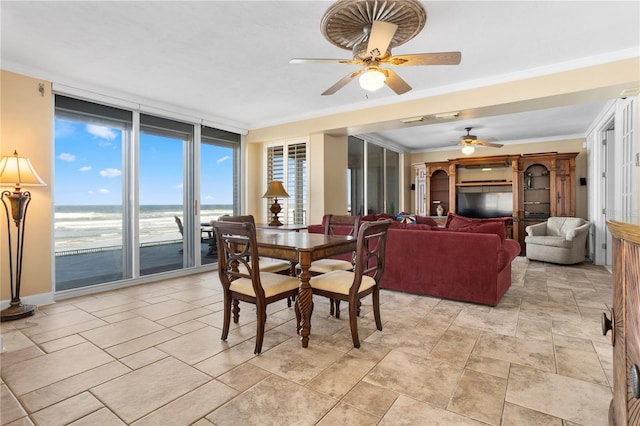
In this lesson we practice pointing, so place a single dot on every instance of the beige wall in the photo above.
(26, 120)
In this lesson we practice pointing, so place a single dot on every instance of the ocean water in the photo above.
(84, 227)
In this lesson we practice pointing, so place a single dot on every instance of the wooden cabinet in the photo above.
(547, 187)
(438, 188)
(624, 324)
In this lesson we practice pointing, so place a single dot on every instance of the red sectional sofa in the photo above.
(468, 260)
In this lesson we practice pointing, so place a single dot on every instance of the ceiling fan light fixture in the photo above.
(372, 79)
(468, 150)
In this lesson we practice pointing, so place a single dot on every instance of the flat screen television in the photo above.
(485, 204)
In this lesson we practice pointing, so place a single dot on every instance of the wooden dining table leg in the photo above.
(305, 297)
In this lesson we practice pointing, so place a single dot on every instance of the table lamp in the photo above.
(16, 171)
(275, 190)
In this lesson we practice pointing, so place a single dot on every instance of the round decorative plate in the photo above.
(347, 22)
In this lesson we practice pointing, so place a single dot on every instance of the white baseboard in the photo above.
(37, 299)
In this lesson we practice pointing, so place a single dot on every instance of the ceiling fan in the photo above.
(468, 142)
(369, 29)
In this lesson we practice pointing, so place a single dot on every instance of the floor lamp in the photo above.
(275, 190)
(16, 171)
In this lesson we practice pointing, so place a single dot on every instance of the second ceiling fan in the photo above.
(369, 29)
(469, 142)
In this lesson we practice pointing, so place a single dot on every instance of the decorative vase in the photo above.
(440, 210)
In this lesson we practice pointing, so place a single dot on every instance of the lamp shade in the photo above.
(275, 190)
(18, 171)
(372, 79)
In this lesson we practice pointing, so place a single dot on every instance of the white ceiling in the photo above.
(228, 61)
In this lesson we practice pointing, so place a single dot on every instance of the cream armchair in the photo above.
(558, 240)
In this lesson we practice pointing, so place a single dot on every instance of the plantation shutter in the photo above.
(288, 163)
(297, 182)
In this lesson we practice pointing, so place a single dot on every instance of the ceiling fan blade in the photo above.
(341, 83)
(396, 83)
(380, 37)
(490, 144)
(438, 58)
(324, 61)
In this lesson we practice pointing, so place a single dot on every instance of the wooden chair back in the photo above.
(343, 222)
(237, 246)
(370, 251)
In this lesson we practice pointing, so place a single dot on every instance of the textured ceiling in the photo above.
(228, 61)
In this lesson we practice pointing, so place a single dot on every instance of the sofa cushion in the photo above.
(549, 241)
(456, 221)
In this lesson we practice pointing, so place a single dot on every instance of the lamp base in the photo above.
(16, 312)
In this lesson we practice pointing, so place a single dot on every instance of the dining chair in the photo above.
(336, 225)
(242, 279)
(352, 286)
(267, 264)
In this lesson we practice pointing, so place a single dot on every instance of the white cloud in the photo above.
(85, 168)
(101, 132)
(179, 186)
(103, 191)
(223, 159)
(110, 173)
(65, 156)
(208, 197)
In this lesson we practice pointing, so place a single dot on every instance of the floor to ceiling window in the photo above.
(128, 191)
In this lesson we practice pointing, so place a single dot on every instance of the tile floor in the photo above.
(152, 355)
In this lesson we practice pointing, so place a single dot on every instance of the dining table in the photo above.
(302, 248)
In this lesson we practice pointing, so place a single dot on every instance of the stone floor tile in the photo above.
(142, 391)
(32, 374)
(580, 365)
(293, 362)
(479, 396)
(533, 353)
(73, 385)
(340, 377)
(191, 406)
(280, 401)
(68, 410)
(102, 417)
(407, 411)
(491, 366)
(559, 396)
(515, 415)
(370, 398)
(243, 377)
(142, 358)
(418, 377)
(343, 414)
(454, 349)
(11, 408)
(120, 332)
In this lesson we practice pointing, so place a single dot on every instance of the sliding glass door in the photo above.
(89, 232)
(161, 184)
(128, 191)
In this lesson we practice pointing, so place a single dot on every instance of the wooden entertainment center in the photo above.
(541, 185)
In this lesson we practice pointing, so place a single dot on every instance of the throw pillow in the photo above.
(425, 220)
(406, 218)
(489, 228)
(457, 221)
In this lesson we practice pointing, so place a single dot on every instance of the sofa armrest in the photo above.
(537, 230)
(578, 232)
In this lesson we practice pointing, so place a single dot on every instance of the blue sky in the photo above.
(88, 168)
